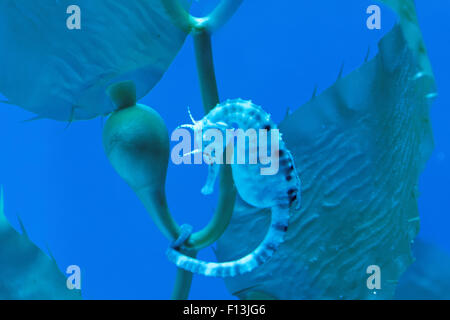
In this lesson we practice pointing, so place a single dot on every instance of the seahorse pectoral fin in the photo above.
(213, 172)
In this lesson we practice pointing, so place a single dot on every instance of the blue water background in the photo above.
(60, 183)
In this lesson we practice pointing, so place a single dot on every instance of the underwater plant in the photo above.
(53, 71)
(136, 143)
(346, 213)
(359, 154)
(26, 272)
(75, 83)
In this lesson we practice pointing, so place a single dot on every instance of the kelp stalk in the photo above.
(227, 195)
(216, 19)
(201, 30)
(136, 141)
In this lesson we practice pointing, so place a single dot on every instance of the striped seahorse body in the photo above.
(278, 191)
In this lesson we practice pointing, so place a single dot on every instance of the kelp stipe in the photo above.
(360, 154)
(118, 128)
(63, 74)
(136, 142)
(210, 23)
(26, 272)
(67, 75)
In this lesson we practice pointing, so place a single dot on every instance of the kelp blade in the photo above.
(62, 74)
(26, 273)
(359, 148)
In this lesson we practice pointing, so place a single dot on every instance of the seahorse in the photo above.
(278, 191)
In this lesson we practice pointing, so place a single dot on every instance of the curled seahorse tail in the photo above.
(265, 250)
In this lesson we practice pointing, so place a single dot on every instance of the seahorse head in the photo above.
(200, 127)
